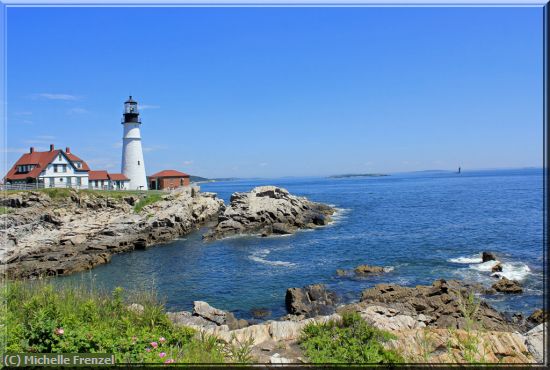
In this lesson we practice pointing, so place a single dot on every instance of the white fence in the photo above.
(57, 186)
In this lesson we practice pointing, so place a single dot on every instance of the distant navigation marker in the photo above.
(458, 170)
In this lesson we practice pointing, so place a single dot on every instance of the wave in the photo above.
(485, 266)
(513, 271)
(510, 270)
(475, 259)
(340, 214)
(389, 269)
(259, 256)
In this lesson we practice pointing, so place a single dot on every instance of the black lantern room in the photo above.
(131, 113)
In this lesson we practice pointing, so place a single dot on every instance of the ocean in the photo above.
(420, 226)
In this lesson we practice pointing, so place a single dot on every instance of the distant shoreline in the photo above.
(345, 176)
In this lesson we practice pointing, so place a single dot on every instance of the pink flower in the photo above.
(169, 361)
(148, 349)
(162, 354)
(162, 339)
(154, 344)
(59, 331)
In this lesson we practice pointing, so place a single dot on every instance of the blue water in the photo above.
(413, 223)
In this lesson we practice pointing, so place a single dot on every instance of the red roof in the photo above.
(74, 158)
(169, 173)
(41, 160)
(98, 175)
(118, 177)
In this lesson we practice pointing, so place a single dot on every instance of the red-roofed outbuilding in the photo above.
(168, 179)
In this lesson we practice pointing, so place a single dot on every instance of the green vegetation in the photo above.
(147, 200)
(470, 346)
(44, 318)
(350, 341)
(4, 210)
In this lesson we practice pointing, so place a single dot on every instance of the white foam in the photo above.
(388, 269)
(513, 271)
(259, 256)
(485, 266)
(476, 259)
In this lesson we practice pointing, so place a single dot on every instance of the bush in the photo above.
(149, 199)
(350, 341)
(42, 318)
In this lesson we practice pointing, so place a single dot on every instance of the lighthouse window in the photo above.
(139, 163)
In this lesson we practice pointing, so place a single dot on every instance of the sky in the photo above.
(271, 92)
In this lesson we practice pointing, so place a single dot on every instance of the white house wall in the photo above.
(63, 179)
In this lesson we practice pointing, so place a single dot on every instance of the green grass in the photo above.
(43, 318)
(147, 200)
(4, 210)
(350, 341)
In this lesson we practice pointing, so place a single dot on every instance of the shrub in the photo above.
(149, 199)
(350, 341)
(42, 318)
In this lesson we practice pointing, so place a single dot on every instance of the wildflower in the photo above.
(162, 339)
(169, 361)
(162, 354)
(154, 344)
(59, 331)
(134, 339)
(148, 349)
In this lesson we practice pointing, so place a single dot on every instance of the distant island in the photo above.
(204, 179)
(357, 175)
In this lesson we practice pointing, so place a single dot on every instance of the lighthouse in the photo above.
(132, 153)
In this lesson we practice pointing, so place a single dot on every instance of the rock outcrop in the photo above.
(62, 233)
(507, 286)
(310, 301)
(443, 346)
(445, 303)
(368, 270)
(268, 210)
(534, 339)
(488, 256)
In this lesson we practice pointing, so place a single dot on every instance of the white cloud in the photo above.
(154, 148)
(148, 106)
(103, 164)
(51, 96)
(14, 150)
(118, 144)
(77, 111)
(41, 139)
(187, 163)
(263, 164)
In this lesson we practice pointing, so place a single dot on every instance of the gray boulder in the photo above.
(535, 342)
(310, 301)
(507, 286)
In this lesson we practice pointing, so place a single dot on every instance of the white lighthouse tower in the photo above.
(132, 153)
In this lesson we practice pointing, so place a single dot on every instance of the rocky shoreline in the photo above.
(63, 231)
(443, 312)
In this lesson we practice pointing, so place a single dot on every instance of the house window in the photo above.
(59, 157)
(61, 179)
(78, 181)
(55, 168)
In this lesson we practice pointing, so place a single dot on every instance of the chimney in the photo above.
(51, 147)
(67, 150)
(32, 150)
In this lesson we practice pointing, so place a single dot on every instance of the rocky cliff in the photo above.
(60, 231)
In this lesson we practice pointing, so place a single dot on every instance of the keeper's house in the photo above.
(59, 168)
